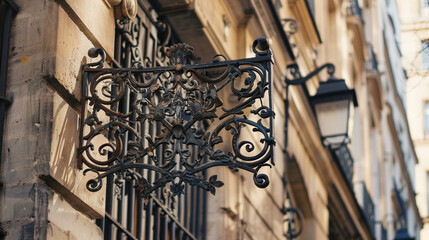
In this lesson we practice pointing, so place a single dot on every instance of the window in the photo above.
(426, 3)
(426, 119)
(162, 216)
(425, 54)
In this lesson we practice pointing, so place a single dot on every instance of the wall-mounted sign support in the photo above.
(200, 116)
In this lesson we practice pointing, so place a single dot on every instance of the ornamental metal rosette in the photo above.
(206, 115)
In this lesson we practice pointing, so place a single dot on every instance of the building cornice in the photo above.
(419, 24)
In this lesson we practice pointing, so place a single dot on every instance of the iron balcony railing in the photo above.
(371, 63)
(353, 9)
(402, 206)
(368, 208)
(345, 162)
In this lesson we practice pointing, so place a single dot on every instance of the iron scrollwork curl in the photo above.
(179, 98)
(294, 222)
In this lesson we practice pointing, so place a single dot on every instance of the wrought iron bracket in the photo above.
(293, 216)
(296, 79)
(293, 69)
(194, 128)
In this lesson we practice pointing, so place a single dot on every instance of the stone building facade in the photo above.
(363, 189)
(414, 17)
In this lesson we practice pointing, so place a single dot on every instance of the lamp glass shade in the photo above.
(331, 105)
(332, 118)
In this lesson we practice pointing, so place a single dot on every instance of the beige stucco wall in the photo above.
(415, 28)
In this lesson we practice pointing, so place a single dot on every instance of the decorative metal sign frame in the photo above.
(231, 98)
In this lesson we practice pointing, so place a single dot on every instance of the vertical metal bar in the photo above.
(139, 217)
(185, 204)
(194, 207)
(270, 103)
(130, 206)
(140, 207)
(164, 226)
(204, 207)
(179, 208)
(197, 213)
(124, 108)
(156, 222)
(130, 189)
(159, 156)
(172, 230)
(192, 210)
(119, 213)
(149, 206)
(179, 234)
(148, 223)
(143, 219)
(109, 198)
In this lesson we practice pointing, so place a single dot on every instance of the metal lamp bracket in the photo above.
(179, 99)
(297, 79)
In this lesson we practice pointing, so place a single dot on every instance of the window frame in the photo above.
(162, 216)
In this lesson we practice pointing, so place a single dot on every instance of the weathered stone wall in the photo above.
(43, 193)
(26, 148)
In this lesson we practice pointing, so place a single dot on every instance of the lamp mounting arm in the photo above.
(293, 70)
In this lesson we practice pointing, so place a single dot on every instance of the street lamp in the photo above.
(331, 105)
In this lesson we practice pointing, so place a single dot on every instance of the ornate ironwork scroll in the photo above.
(294, 222)
(291, 26)
(179, 98)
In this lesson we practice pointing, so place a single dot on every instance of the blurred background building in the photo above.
(414, 43)
(363, 188)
